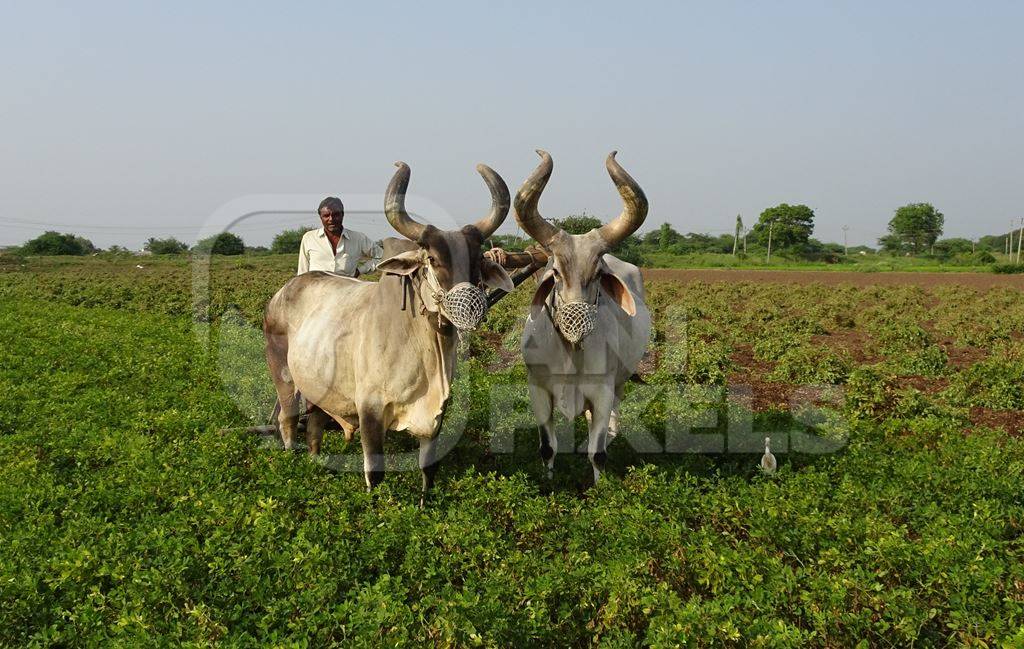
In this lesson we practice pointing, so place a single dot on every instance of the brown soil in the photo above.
(926, 384)
(1011, 421)
(505, 359)
(857, 343)
(649, 363)
(750, 372)
(829, 277)
(961, 357)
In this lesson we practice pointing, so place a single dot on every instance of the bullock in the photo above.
(588, 325)
(379, 356)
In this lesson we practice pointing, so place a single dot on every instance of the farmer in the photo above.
(335, 248)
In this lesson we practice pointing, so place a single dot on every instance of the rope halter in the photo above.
(464, 305)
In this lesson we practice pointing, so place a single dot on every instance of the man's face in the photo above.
(332, 219)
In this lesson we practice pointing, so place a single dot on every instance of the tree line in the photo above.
(785, 230)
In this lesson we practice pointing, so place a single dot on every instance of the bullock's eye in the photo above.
(431, 259)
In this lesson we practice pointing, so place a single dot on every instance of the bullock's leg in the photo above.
(371, 435)
(288, 404)
(543, 410)
(288, 419)
(315, 428)
(428, 465)
(613, 420)
(597, 439)
(613, 424)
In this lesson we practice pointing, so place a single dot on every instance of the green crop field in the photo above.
(135, 509)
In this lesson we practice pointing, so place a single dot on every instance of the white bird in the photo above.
(139, 266)
(768, 463)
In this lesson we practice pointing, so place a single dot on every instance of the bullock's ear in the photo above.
(540, 296)
(405, 263)
(494, 276)
(617, 290)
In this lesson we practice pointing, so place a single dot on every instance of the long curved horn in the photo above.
(394, 205)
(526, 202)
(500, 201)
(633, 213)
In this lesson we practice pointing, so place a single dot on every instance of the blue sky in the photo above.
(128, 120)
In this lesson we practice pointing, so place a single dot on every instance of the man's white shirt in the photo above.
(355, 251)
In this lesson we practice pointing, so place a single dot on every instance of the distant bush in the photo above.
(953, 247)
(629, 250)
(168, 246)
(979, 258)
(288, 241)
(55, 243)
(224, 243)
(578, 223)
(1008, 269)
(510, 242)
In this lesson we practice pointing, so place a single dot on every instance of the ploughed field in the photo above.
(895, 410)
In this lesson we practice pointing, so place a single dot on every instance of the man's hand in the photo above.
(497, 255)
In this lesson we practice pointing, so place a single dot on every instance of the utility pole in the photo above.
(736, 235)
(1020, 235)
(846, 247)
(769, 258)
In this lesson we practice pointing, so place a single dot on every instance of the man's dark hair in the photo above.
(332, 203)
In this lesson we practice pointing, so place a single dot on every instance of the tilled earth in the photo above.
(830, 277)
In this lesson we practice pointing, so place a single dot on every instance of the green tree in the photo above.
(288, 241)
(630, 250)
(55, 243)
(667, 236)
(956, 246)
(224, 243)
(891, 243)
(627, 250)
(996, 242)
(790, 225)
(578, 223)
(168, 246)
(916, 226)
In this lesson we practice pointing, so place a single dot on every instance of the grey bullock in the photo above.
(379, 356)
(588, 325)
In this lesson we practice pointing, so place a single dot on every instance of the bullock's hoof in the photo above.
(373, 478)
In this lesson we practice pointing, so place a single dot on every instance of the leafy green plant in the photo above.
(812, 364)
(130, 516)
(996, 382)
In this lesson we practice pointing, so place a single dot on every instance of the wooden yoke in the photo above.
(528, 263)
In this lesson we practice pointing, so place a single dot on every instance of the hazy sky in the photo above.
(128, 120)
